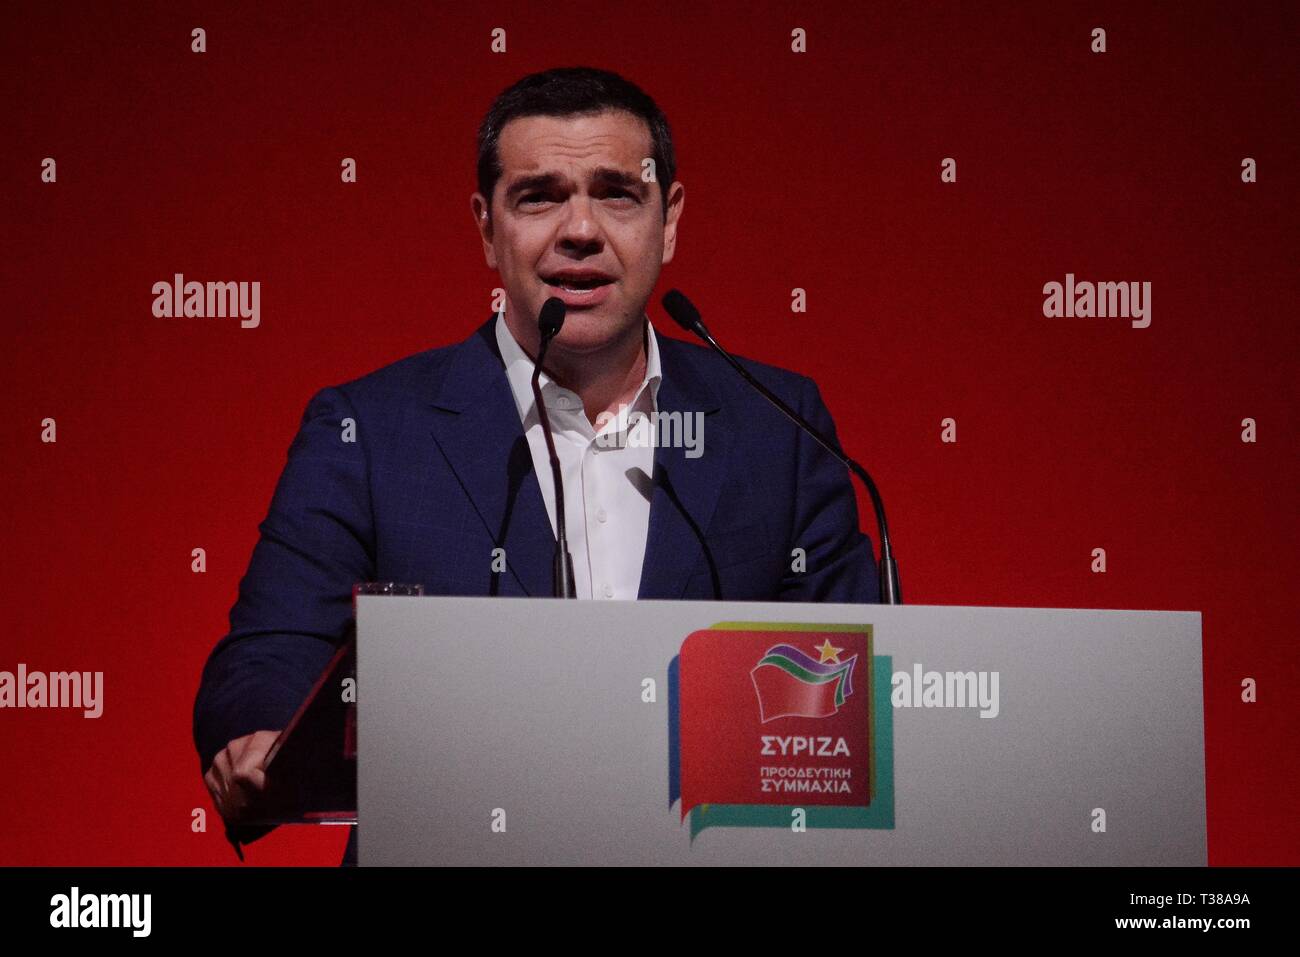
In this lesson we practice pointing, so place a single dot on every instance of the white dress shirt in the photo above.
(606, 471)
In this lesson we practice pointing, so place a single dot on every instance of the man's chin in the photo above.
(587, 331)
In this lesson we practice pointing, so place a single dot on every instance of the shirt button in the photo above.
(609, 591)
(601, 516)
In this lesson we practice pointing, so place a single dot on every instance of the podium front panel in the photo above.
(542, 731)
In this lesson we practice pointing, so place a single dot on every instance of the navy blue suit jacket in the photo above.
(440, 474)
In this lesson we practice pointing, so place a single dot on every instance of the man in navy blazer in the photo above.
(423, 472)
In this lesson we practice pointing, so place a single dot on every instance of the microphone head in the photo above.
(552, 317)
(683, 312)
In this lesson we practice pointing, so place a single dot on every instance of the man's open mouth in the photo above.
(577, 283)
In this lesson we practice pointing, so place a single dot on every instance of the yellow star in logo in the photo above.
(828, 652)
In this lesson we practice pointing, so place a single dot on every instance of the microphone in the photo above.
(684, 313)
(548, 324)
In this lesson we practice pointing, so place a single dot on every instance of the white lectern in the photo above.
(544, 731)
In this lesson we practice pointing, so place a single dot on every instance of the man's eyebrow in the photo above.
(541, 181)
(608, 176)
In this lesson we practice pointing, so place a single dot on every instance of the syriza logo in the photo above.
(768, 720)
(792, 684)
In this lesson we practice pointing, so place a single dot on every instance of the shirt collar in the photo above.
(519, 373)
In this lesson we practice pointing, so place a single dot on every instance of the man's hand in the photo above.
(236, 779)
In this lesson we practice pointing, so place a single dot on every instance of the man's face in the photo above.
(571, 217)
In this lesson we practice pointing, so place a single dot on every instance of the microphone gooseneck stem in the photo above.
(562, 566)
(890, 593)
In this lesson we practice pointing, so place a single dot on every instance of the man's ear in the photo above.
(483, 220)
(675, 203)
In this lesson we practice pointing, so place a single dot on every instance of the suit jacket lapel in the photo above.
(478, 430)
(685, 490)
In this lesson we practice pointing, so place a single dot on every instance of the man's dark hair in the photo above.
(573, 91)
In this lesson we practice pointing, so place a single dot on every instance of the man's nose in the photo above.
(579, 229)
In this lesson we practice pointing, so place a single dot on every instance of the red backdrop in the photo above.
(817, 170)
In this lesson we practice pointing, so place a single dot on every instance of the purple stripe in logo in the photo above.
(804, 661)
